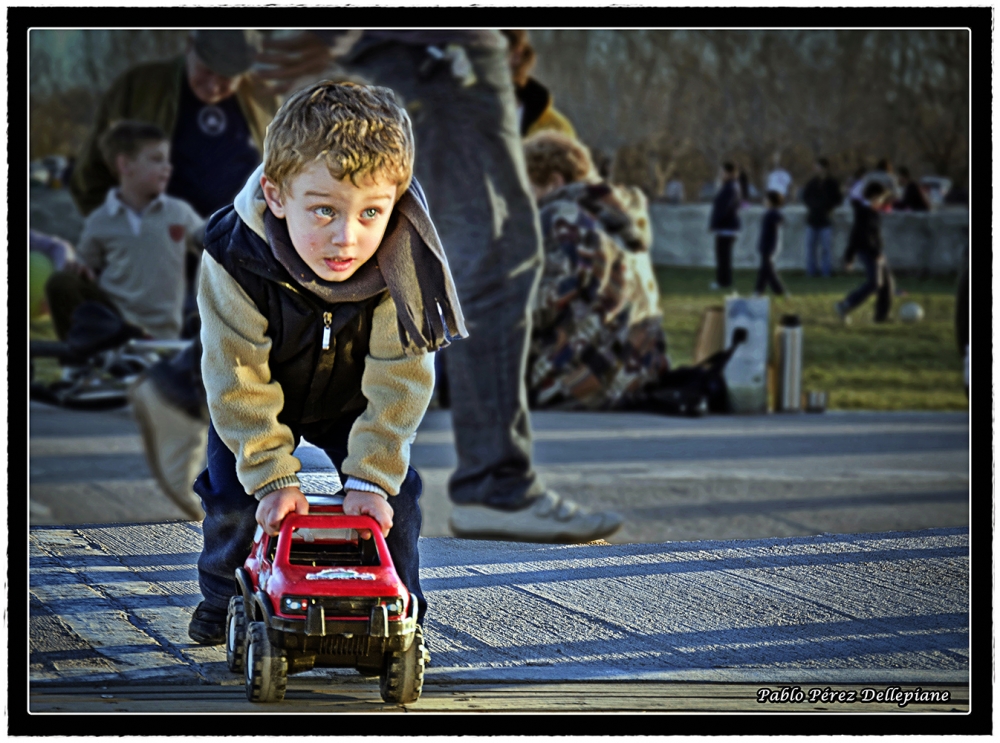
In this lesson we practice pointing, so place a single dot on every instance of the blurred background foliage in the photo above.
(653, 104)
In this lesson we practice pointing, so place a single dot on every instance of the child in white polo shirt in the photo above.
(131, 255)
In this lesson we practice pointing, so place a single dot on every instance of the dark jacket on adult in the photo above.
(725, 208)
(866, 233)
(821, 197)
(152, 92)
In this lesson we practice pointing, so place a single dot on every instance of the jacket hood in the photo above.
(250, 204)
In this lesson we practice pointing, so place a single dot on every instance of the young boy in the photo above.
(132, 252)
(865, 242)
(769, 245)
(324, 292)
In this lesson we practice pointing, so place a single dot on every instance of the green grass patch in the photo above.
(861, 366)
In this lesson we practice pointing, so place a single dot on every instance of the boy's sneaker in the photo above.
(841, 310)
(208, 625)
(174, 442)
(550, 519)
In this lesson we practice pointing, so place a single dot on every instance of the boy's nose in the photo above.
(344, 234)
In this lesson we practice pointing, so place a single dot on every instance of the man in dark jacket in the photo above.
(725, 223)
(865, 244)
(821, 196)
(214, 112)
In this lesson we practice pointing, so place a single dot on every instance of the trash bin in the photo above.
(788, 343)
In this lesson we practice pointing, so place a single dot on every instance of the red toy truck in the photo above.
(319, 596)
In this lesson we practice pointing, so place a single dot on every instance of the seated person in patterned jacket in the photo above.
(597, 339)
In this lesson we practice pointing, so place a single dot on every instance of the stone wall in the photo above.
(935, 242)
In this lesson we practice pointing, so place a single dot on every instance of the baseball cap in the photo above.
(228, 52)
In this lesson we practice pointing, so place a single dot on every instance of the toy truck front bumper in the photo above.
(378, 629)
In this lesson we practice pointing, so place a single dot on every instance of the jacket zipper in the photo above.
(327, 320)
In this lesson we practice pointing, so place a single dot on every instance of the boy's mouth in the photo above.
(338, 264)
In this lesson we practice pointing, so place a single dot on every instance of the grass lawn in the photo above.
(864, 365)
(868, 366)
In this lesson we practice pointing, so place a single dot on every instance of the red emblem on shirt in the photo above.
(176, 232)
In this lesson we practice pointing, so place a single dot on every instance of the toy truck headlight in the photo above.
(294, 605)
(394, 605)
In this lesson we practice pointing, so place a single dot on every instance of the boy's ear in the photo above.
(272, 195)
(121, 163)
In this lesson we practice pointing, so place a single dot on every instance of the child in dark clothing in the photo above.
(865, 243)
(769, 246)
(323, 294)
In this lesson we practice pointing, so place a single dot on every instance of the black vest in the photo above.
(319, 384)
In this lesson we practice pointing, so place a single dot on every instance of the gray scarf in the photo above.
(409, 262)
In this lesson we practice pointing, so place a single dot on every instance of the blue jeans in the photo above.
(823, 236)
(230, 518)
(471, 164)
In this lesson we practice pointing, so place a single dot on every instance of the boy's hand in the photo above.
(360, 503)
(275, 506)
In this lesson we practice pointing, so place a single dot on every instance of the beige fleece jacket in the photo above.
(244, 402)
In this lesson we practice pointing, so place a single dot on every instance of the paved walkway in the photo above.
(111, 604)
(767, 550)
(719, 477)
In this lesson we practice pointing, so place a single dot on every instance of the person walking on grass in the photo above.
(769, 246)
(866, 245)
(725, 223)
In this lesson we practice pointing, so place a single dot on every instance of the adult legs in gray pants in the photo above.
(470, 161)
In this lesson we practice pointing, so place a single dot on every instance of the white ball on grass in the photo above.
(911, 312)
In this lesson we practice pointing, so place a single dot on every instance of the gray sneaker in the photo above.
(841, 309)
(174, 442)
(549, 519)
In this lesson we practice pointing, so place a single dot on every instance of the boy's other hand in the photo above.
(360, 503)
(275, 506)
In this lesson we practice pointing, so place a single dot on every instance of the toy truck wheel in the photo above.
(266, 666)
(402, 680)
(236, 634)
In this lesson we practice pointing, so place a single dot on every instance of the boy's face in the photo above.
(149, 171)
(334, 225)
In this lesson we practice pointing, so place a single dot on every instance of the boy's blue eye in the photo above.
(324, 211)
(370, 213)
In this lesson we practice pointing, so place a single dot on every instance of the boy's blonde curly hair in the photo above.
(549, 152)
(357, 130)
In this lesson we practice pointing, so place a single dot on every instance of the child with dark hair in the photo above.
(865, 243)
(769, 246)
(133, 250)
